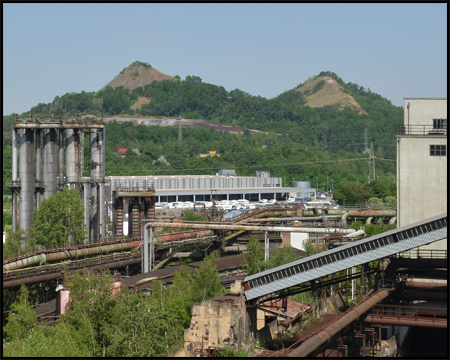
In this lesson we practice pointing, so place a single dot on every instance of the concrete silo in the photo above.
(26, 171)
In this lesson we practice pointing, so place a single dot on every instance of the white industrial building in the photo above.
(422, 162)
(223, 186)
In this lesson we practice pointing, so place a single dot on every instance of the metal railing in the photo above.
(420, 130)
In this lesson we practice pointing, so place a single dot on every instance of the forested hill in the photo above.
(312, 129)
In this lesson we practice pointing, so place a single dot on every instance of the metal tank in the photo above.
(50, 164)
(302, 185)
(72, 158)
(14, 179)
(95, 177)
(26, 170)
(38, 168)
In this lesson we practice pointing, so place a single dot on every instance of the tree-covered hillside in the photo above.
(323, 145)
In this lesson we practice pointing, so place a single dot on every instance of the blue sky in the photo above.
(396, 50)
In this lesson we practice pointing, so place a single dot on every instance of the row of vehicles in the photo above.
(241, 204)
(225, 204)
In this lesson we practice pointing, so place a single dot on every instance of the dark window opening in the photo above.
(439, 123)
(438, 150)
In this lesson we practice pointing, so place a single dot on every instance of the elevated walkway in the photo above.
(344, 257)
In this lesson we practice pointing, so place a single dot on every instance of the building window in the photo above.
(438, 150)
(439, 123)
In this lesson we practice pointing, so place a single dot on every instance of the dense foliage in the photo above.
(99, 323)
(59, 220)
(255, 262)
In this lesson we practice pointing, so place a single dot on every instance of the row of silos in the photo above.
(32, 186)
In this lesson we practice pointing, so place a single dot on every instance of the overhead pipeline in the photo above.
(325, 335)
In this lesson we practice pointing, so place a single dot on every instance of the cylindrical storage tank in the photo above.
(14, 178)
(86, 193)
(101, 211)
(302, 185)
(26, 171)
(38, 167)
(72, 146)
(95, 174)
(49, 162)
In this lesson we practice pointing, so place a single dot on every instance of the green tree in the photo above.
(190, 215)
(16, 244)
(254, 257)
(281, 256)
(353, 193)
(309, 248)
(206, 280)
(91, 309)
(59, 220)
(21, 319)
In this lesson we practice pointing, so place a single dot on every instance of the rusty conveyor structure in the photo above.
(344, 257)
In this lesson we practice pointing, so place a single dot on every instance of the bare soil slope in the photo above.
(329, 92)
(136, 75)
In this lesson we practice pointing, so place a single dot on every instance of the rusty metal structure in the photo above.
(325, 336)
(38, 168)
(141, 206)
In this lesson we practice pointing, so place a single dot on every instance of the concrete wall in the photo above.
(421, 178)
(219, 324)
(422, 110)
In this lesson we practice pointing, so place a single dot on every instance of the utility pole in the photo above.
(180, 132)
(371, 162)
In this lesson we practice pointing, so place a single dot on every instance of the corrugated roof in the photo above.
(344, 257)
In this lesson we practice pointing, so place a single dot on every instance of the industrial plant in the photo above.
(371, 296)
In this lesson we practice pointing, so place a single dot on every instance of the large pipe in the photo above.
(235, 248)
(69, 254)
(301, 218)
(423, 284)
(311, 344)
(14, 179)
(147, 268)
(26, 203)
(41, 278)
(49, 163)
(182, 235)
(415, 264)
(369, 213)
(357, 233)
(334, 244)
(431, 323)
(251, 227)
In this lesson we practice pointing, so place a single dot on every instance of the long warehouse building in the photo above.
(223, 186)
